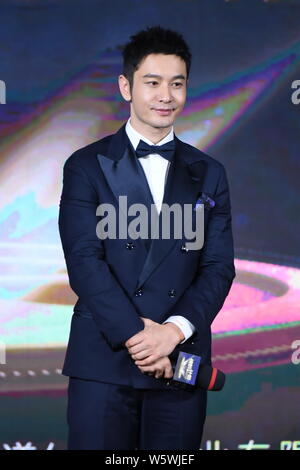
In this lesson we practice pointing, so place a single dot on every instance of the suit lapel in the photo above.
(125, 176)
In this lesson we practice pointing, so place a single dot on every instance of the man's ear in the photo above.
(124, 87)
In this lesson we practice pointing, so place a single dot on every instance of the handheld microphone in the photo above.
(190, 374)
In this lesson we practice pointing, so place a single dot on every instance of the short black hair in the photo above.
(153, 40)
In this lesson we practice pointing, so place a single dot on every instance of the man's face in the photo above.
(158, 94)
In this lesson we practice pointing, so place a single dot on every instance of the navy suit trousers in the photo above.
(106, 416)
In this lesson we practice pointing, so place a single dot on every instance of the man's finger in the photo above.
(140, 347)
(152, 369)
(141, 355)
(145, 362)
(134, 340)
(168, 372)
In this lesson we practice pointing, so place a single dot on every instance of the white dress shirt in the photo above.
(156, 170)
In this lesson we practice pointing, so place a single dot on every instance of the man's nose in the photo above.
(165, 93)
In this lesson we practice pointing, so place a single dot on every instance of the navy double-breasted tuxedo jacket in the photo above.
(118, 280)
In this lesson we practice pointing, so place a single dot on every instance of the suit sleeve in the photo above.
(89, 275)
(204, 298)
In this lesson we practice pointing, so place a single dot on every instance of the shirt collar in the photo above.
(134, 136)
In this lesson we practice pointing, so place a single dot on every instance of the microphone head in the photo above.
(210, 378)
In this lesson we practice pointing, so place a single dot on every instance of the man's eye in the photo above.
(178, 84)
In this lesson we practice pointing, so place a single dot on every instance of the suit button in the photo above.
(138, 292)
(184, 249)
(192, 342)
(168, 383)
(172, 293)
(129, 246)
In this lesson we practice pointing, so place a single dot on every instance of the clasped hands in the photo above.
(150, 347)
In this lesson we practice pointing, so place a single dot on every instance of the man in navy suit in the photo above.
(142, 300)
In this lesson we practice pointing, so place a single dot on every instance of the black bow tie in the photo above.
(166, 150)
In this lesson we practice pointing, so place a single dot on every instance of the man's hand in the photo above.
(160, 368)
(155, 341)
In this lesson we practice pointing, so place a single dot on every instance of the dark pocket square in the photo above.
(207, 201)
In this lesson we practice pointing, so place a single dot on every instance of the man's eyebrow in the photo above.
(154, 75)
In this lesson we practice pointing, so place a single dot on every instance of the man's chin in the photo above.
(162, 123)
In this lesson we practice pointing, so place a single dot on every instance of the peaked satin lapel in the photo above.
(125, 176)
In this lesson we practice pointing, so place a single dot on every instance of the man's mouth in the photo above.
(164, 111)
